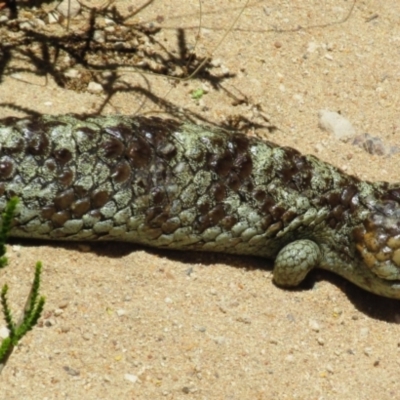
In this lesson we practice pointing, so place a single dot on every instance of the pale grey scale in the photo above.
(169, 184)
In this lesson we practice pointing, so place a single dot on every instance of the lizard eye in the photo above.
(378, 241)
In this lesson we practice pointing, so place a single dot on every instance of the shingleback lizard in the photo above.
(170, 184)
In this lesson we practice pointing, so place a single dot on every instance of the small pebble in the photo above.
(131, 378)
(109, 21)
(53, 17)
(71, 371)
(120, 312)
(69, 8)
(87, 336)
(39, 22)
(63, 304)
(311, 47)
(84, 248)
(314, 325)
(329, 369)
(364, 332)
(368, 351)
(336, 124)
(72, 73)
(25, 25)
(374, 145)
(94, 87)
(99, 36)
(50, 322)
(58, 312)
(4, 332)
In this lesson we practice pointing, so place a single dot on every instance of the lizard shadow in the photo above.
(372, 305)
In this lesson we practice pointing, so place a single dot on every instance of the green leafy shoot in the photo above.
(197, 94)
(6, 223)
(34, 304)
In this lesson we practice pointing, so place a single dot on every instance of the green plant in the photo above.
(34, 304)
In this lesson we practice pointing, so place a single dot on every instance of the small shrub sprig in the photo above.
(34, 304)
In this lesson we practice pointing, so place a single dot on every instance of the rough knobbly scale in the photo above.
(170, 184)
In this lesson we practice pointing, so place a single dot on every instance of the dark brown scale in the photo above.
(159, 220)
(276, 212)
(267, 204)
(233, 182)
(95, 214)
(47, 212)
(333, 199)
(170, 226)
(167, 151)
(156, 216)
(266, 222)
(354, 204)
(218, 191)
(347, 195)
(64, 199)
(80, 207)
(216, 214)
(157, 196)
(337, 213)
(63, 156)
(153, 233)
(392, 194)
(214, 143)
(259, 194)
(289, 168)
(155, 130)
(358, 234)
(99, 198)
(302, 178)
(139, 153)
(204, 207)
(112, 148)
(51, 165)
(81, 191)
(36, 138)
(202, 223)
(332, 223)
(60, 218)
(288, 216)
(121, 173)
(241, 143)
(274, 228)
(6, 168)
(243, 166)
(88, 132)
(120, 131)
(2, 188)
(228, 222)
(66, 177)
(221, 163)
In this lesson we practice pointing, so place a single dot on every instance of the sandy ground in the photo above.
(127, 322)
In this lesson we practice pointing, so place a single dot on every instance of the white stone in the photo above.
(94, 87)
(131, 378)
(4, 332)
(69, 8)
(336, 124)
